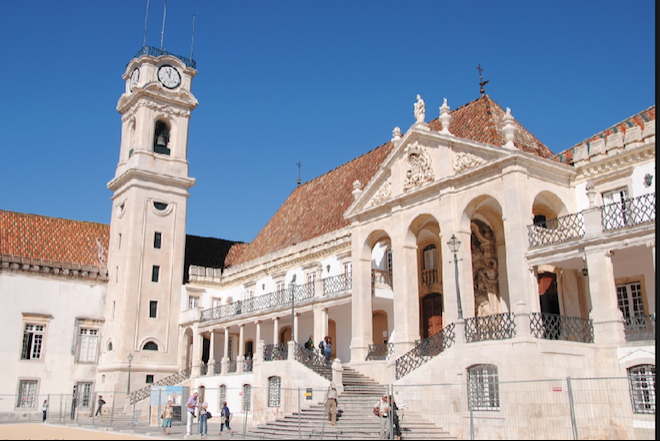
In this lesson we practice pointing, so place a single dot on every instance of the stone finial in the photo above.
(591, 193)
(396, 134)
(509, 129)
(445, 117)
(357, 189)
(420, 109)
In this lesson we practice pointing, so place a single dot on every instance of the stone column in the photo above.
(197, 350)
(296, 331)
(318, 283)
(276, 330)
(259, 347)
(361, 304)
(319, 319)
(241, 348)
(211, 367)
(608, 320)
(225, 358)
(405, 293)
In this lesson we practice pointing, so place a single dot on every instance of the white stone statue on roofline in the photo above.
(420, 109)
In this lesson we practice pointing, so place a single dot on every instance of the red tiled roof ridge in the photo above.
(637, 118)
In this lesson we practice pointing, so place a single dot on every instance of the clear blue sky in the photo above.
(320, 82)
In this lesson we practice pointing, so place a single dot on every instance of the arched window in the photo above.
(483, 388)
(430, 257)
(161, 138)
(150, 346)
(222, 396)
(642, 388)
(274, 384)
(247, 397)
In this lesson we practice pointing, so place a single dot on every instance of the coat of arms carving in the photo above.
(419, 170)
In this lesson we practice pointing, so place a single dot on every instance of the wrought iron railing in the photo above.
(309, 357)
(276, 352)
(557, 230)
(430, 276)
(426, 350)
(173, 379)
(231, 366)
(248, 365)
(217, 368)
(336, 284)
(381, 277)
(560, 327)
(251, 304)
(204, 369)
(640, 328)
(629, 212)
(155, 52)
(381, 351)
(490, 327)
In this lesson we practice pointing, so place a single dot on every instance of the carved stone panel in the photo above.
(383, 193)
(419, 170)
(463, 161)
(485, 270)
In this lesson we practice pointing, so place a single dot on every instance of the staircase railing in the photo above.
(381, 351)
(173, 379)
(425, 351)
(276, 352)
(312, 359)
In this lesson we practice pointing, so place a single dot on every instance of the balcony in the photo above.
(558, 327)
(337, 284)
(430, 276)
(383, 351)
(491, 327)
(380, 278)
(640, 328)
(557, 230)
(629, 212)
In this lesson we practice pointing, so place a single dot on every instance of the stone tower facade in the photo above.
(147, 230)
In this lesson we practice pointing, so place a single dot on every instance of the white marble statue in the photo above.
(420, 109)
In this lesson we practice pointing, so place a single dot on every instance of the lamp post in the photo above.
(454, 245)
(292, 289)
(128, 387)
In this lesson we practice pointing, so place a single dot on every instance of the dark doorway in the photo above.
(431, 322)
(548, 293)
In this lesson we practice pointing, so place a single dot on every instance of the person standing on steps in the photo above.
(331, 404)
(381, 409)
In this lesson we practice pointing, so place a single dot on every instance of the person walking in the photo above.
(44, 409)
(167, 415)
(203, 417)
(395, 418)
(225, 417)
(191, 405)
(331, 404)
(381, 409)
(101, 402)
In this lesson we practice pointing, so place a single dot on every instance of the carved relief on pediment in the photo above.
(383, 193)
(463, 161)
(419, 170)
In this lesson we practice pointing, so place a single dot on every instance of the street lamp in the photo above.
(454, 245)
(130, 358)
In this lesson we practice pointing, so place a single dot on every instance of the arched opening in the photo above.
(285, 334)
(380, 328)
(485, 269)
(549, 296)
(431, 311)
(332, 333)
(150, 346)
(161, 138)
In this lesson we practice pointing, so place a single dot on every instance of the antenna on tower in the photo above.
(299, 165)
(146, 20)
(482, 83)
(192, 43)
(162, 32)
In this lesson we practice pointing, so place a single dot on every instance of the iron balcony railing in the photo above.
(217, 368)
(557, 230)
(251, 304)
(560, 327)
(155, 52)
(490, 327)
(337, 284)
(231, 366)
(204, 369)
(640, 328)
(381, 277)
(247, 365)
(276, 352)
(426, 350)
(173, 379)
(430, 276)
(382, 351)
(309, 357)
(629, 212)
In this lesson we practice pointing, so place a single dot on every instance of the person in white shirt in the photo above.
(381, 409)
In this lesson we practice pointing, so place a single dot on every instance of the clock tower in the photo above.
(148, 225)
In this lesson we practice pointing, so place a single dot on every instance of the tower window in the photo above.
(157, 239)
(161, 138)
(160, 206)
(150, 346)
(155, 271)
(153, 308)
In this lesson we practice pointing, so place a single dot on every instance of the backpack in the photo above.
(321, 345)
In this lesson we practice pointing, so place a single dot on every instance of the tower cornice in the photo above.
(140, 177)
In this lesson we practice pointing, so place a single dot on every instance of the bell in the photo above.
(161, 141)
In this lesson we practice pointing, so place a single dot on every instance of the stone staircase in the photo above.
(355, 416)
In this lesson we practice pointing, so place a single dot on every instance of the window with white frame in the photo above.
(247, 397)
(614, 203)
(27, 393)
(483, 388)
(430, 257)
(348, 268)
(274, 385)
(216, 302)
(311, 278)
(33, 340)
(629, 297)
(193, 302)
(84, 394)
(642, 388)
(280, 287)
(87, 345)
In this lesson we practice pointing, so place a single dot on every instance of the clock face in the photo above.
(169, 76)
(135, 76)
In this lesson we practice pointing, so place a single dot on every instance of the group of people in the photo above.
(384, 409)
(44, 408)
(325, 346)
(192, 406)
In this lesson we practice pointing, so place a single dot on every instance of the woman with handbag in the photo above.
(225, 417)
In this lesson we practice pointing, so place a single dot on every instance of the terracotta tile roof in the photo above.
(206, 252)
(235, 253)
(481, 120)
(49, 238)
(317, 207)
(640, 120)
